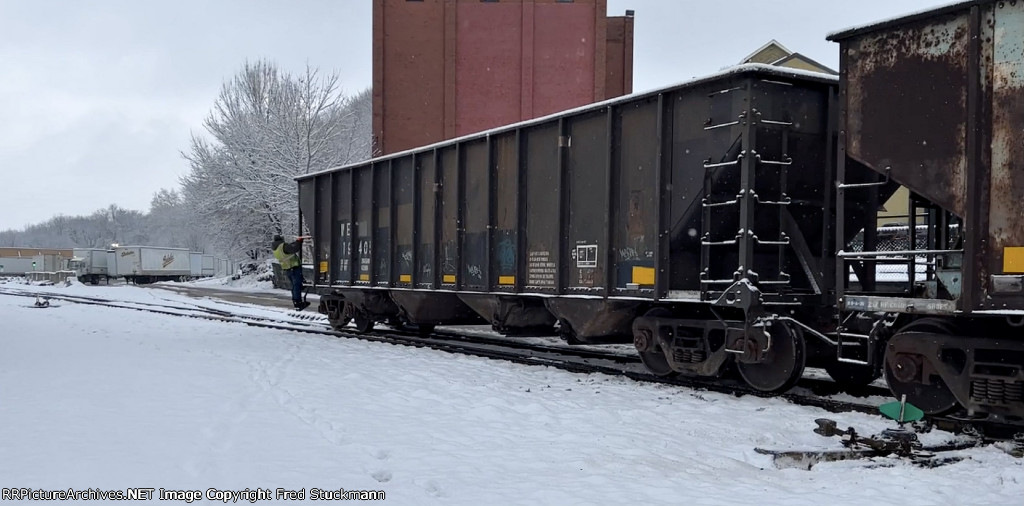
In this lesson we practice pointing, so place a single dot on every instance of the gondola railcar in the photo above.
(696, 220)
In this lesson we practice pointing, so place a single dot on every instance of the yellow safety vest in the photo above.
(288, 261)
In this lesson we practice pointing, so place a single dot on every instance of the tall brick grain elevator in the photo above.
(445, 68)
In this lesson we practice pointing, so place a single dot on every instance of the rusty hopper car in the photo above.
(935, 102)
(696, 220)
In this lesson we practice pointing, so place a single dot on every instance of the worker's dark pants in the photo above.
(295, 276)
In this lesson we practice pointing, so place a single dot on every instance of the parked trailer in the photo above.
(223, 267)
(208, 266)
(147, 264)
(201, 265)
(90, 265)
(111, 264)
(195, 264)
(688, 219)
(935, 102)
(17, 266)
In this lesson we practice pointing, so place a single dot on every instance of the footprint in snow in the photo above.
(433, 488)
(382, 476)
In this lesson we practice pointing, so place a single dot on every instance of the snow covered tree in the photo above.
(171, 224)
(268, 126)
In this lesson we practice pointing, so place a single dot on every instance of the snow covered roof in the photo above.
(770, 43)
(846, 33)
(753, 68)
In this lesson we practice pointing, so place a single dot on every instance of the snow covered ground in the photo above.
(156, 294)
(94, 397)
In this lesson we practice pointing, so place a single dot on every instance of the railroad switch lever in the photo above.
(899, 441)
(828, 428)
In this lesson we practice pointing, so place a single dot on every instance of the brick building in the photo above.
(445, 68)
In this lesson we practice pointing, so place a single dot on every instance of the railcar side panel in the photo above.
(694, 144)
(587, 194)
(404, 219)
(895, 80)
(504, 203)
(450, 213)
(363, 206)
(543, 191)
(426, 218)
(476, 201)
(343, 228)
(635, 208)
(382, 251)
(1006, 204)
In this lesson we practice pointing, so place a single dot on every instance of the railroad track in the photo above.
(571, 358)
(809, 391)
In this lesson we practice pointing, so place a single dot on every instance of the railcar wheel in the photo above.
(363, 324)
(652, 356)
(337, 314)
(340, 323)
(783, 363)
(902, 369)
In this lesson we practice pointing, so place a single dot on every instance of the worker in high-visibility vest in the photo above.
(287, 254)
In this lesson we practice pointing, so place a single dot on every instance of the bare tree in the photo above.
(265, 128)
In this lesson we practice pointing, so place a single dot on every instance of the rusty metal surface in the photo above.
(940, 100)
(907, 105)
(1006, 202)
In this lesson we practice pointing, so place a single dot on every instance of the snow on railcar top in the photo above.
(902, 19)
(759, 68)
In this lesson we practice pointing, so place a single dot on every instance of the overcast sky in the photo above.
(98, 98)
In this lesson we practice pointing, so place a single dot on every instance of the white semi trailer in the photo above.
(148, 264)
(202, 265)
